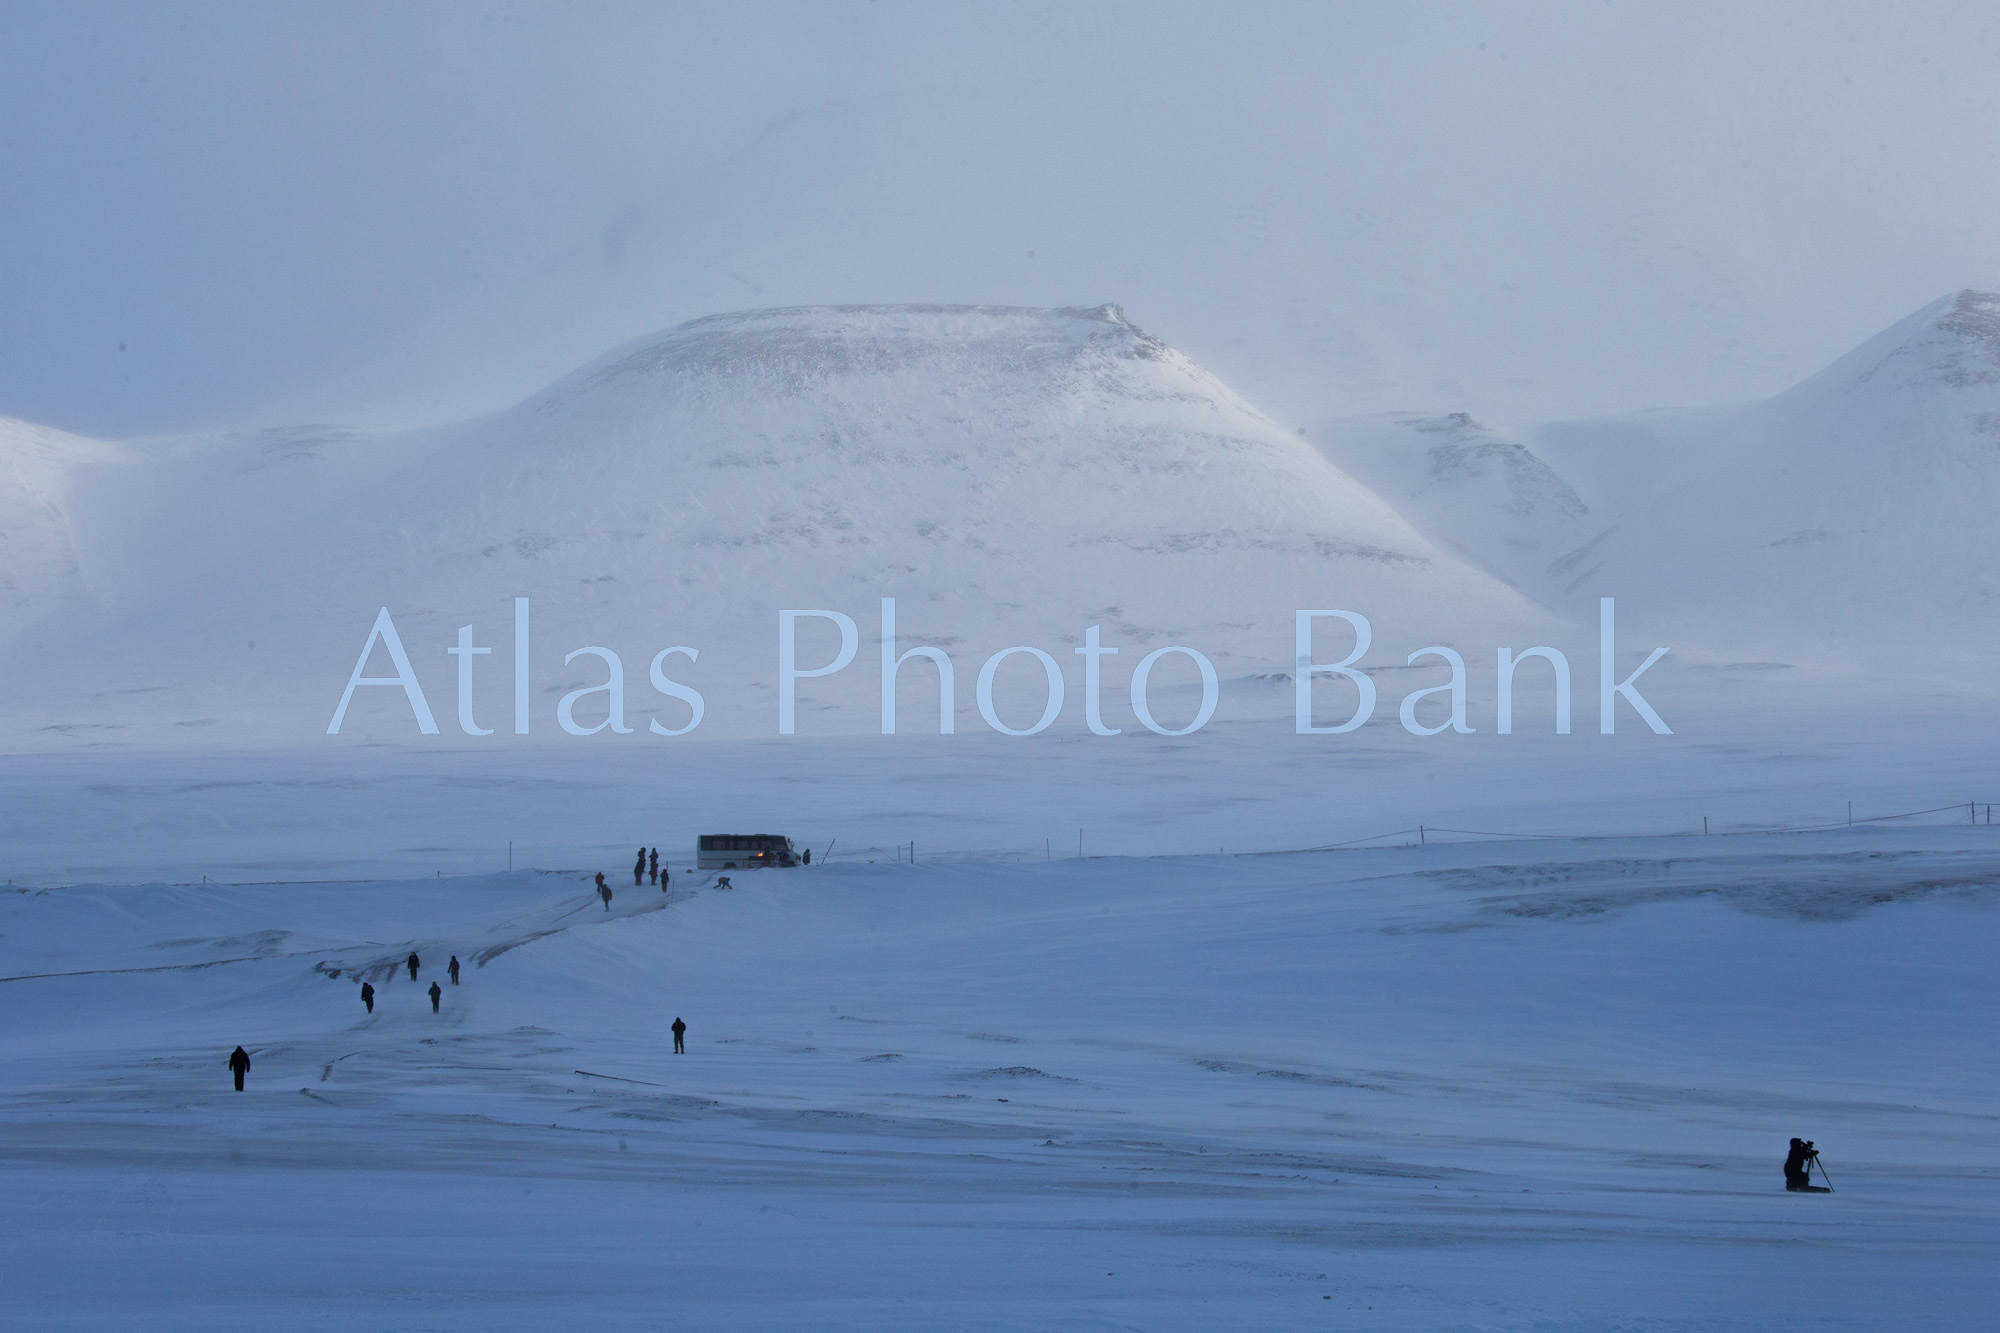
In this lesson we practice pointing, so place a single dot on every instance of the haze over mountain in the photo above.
(223, 217)
(41, 570)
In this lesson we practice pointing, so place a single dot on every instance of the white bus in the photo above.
(744, 851)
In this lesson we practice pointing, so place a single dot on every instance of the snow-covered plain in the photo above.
(1432, 1087)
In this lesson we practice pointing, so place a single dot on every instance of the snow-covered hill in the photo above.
(1852, 513)
(1010, 476)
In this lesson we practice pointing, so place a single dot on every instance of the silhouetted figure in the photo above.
(680, 1035)
(412, 960)
(436, 994)
(452, 967)
(368, 996)
(655, 869)
(722, 882)
(665, 875)
(239, 1065)
(604, 891)
(639, 869)
(808, 859)
(1798, 1169)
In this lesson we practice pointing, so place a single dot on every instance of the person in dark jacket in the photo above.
(665, 875)
(368, 996)
(808, 859)
(680, 1035)
(604, 890)
(435, 995)
(452, 967)
(412, 960)
(239, 1065)
(1798, 1169)
(654, 870)
(639, 869)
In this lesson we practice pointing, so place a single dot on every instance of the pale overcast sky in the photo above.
(253, 214)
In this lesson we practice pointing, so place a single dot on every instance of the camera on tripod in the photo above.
(1799, 1166)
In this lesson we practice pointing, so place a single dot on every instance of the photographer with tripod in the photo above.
(1798, 1169)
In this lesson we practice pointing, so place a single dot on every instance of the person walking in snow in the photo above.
(680, 1037)
(412, 961)
(436, 994)
(639, 869)
(452, 967)
(239, 1065)
(808, 857)
(368, 996)
(604, 890)
(655, 871)
(665, 875)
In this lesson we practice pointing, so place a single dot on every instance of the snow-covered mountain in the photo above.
(1852, 513)
(1010, 476)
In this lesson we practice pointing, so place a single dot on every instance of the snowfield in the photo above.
(1451, 1086)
